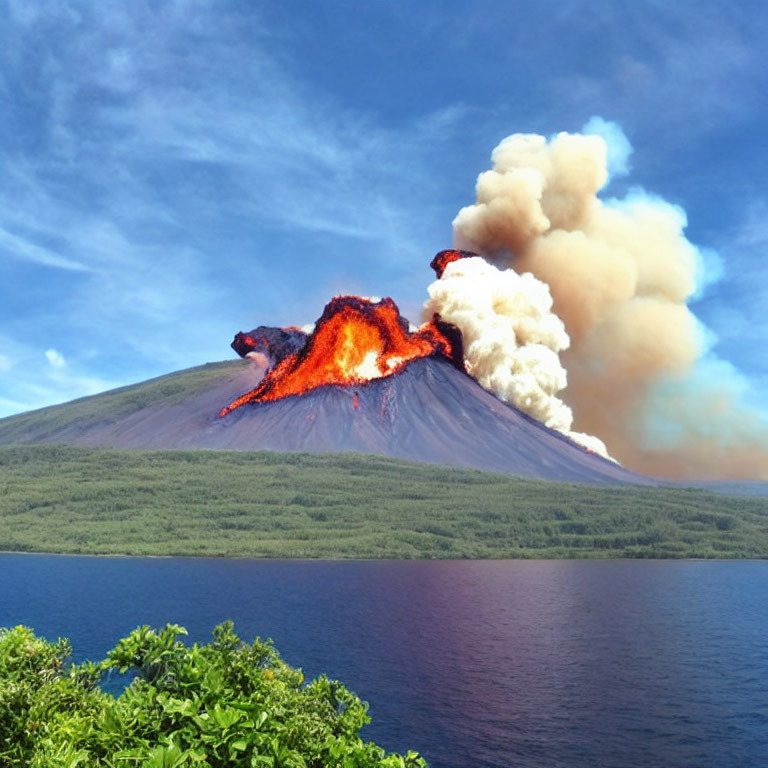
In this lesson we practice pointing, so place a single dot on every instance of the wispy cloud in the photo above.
(14, 246)
(675, 67)
(42, 377)
(163, 169)
(55, 358)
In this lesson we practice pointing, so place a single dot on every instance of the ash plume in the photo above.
(620, 273)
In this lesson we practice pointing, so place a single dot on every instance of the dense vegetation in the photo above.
(77, 500)
(226, 703)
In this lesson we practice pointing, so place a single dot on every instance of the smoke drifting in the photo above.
(511, 337)
(620, 273)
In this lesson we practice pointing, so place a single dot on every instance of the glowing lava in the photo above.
(355, 340)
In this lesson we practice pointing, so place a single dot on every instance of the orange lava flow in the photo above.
(355, 341)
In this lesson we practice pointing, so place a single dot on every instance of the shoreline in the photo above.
(386, 559)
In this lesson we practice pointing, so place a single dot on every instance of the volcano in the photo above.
(363, 380)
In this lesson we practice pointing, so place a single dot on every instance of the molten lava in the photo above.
(355, 340)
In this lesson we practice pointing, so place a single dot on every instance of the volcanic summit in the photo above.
(355, 341)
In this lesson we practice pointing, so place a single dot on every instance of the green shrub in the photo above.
(226, 703)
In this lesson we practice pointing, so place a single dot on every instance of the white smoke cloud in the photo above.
(511, 338)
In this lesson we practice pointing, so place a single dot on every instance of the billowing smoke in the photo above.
(620, 273)
(511, 337)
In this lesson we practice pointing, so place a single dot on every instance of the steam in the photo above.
(620, 273)
(511, 338)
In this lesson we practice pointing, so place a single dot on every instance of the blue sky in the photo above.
(173, 172)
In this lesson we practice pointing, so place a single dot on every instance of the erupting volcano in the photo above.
(474, 386)
(355, 341)
(496, 326)
(363, 381)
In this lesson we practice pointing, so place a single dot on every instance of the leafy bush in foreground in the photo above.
(226, 703)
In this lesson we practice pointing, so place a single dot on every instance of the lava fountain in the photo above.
(356, 340)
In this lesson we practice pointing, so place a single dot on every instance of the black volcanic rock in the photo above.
(429, 412)
(273, 343)
(455, 339)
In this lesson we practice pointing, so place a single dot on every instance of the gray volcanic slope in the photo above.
(429, 412)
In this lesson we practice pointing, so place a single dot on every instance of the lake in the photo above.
(477, 664)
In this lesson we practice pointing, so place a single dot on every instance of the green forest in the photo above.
(260, 504)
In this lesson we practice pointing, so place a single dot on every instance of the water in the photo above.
(475, 664)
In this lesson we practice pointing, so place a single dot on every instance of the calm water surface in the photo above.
(475, 664)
